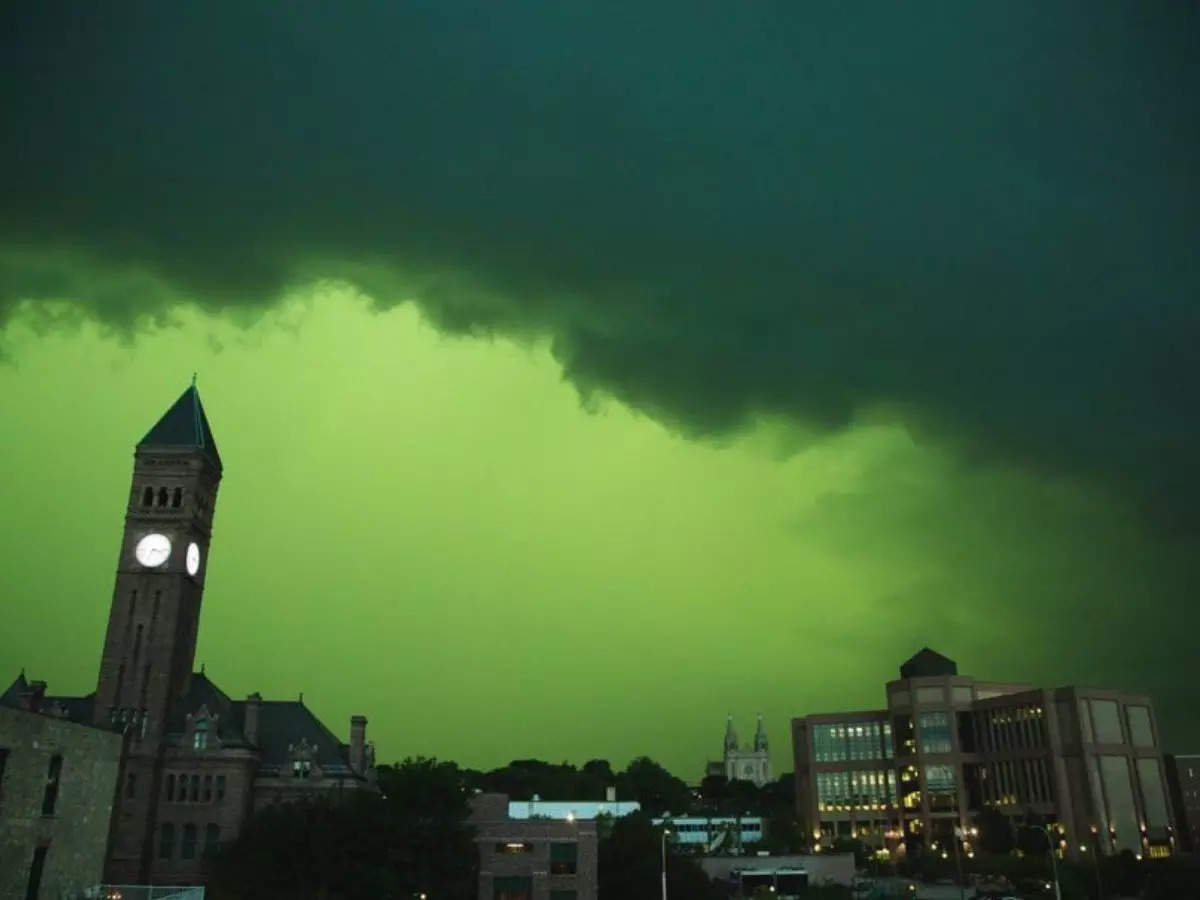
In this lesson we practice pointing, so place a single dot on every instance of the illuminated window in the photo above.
(200, 735)
(514, 847)
(934, 732)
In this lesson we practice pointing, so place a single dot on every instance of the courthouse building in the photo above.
(948, 746)
(195, 763)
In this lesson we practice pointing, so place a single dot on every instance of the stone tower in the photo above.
(150, 643)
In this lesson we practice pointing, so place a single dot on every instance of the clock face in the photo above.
(153, 550)
(193, 558)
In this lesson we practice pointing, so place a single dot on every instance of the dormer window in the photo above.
(301, 768)
(200, 735)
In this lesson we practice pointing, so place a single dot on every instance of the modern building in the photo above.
(947, 747)
(751, 763)
(196, 763)
(533, 859)
(1183, 783)
(57, 783)
(712, 834)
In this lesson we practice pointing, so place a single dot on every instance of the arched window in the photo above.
(181, 797)
(162, 496)
(212, 838)
(195, 782)
(200, 735)
(187, 847)
(148, 496)
(169, 793)
(166, 840)
(177, 498)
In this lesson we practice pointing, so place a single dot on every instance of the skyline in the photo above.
(277, 494)
(584, 375)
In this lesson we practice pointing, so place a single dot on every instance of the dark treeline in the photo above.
(413, 836)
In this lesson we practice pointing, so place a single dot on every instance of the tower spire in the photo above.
(731, 738)
(760, 735)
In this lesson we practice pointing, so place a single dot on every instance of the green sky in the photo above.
(435, 532)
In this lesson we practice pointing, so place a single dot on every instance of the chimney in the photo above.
(250, 725)
(32, 696)
(358, 743)
(610, 794)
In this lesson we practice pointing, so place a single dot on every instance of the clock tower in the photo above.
(150, 644)
(151, 640)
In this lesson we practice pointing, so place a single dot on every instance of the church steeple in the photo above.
(731, 738)
(760, 736)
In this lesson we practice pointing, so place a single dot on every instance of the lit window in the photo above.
(200, 736)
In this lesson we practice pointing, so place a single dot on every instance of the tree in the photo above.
(656, 789)
(995, 832)
(631, 867)
(412, 837)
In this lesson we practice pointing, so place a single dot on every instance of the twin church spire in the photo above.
(731, 736)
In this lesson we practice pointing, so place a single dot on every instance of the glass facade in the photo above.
(1152, 792)
(1140, 732)
(940, 786)
(855, 789)
(1085, 722)
(842, 741)
(1107, 721)
(934, 732)
(931, 695)
(1114, 771)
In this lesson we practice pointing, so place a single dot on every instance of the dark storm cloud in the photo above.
(982, 215)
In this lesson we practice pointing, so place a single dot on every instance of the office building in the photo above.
(1085, 761)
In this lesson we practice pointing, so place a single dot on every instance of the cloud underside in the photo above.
(981, 220)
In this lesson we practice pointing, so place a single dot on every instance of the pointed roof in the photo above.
(12, 696)
(731, 738)
(184, 425)
(760, 735)
(928, 663)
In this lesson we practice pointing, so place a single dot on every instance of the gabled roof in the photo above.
(184, 426)
(280, 723)
(928, 663)
(284, 722)
(75, 709)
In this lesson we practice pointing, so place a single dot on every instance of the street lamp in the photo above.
(1096, 860)
(665, 832)
(959, 834)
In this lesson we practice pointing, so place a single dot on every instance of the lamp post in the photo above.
(665, 832)
(1096, 860)
(1053, 862)
(960, 834)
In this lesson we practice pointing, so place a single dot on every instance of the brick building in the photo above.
(1085, 762)
(57, 781)
(533, 859)
(196, 762)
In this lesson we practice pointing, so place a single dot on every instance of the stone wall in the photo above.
(75, 835)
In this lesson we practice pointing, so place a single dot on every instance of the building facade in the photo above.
(57, 785)
(947, 747)
(196, 763)
(533, 859)
(1183, 786)
(752, 763)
